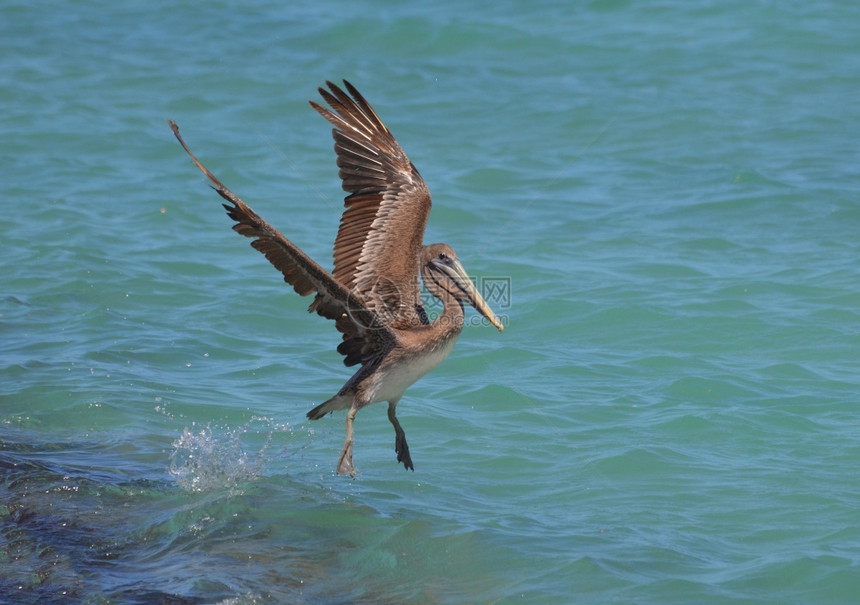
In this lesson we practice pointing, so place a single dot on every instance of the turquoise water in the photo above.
(671, 189)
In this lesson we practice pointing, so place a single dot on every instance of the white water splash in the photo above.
(210, 459)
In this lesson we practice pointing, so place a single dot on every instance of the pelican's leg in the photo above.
(400, 446)
(344, 463)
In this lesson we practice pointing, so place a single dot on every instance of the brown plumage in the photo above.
(373, 293)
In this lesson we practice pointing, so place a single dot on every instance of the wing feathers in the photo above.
(368, 337)
(382, 228)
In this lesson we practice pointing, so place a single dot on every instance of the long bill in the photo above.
(456, 271)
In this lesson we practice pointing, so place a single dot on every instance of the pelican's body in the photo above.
(372, 294)
(406, 363)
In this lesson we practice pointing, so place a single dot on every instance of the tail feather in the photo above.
(338, 402)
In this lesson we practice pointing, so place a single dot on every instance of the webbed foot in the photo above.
(344, 463)
(402, 450)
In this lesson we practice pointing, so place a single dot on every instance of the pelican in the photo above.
(373, 292)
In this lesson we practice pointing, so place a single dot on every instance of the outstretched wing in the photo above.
(378, 245)
(364, 336)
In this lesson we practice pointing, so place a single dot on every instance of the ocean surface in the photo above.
(662, 198)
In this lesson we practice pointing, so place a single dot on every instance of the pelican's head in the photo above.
(442, 269)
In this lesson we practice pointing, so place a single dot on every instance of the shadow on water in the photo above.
(211, 528)
(67, 532)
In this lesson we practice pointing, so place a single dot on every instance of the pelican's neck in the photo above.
(453, 316)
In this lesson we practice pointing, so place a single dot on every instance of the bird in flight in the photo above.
(373, 294)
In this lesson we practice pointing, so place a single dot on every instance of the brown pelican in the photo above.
(373, 293)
